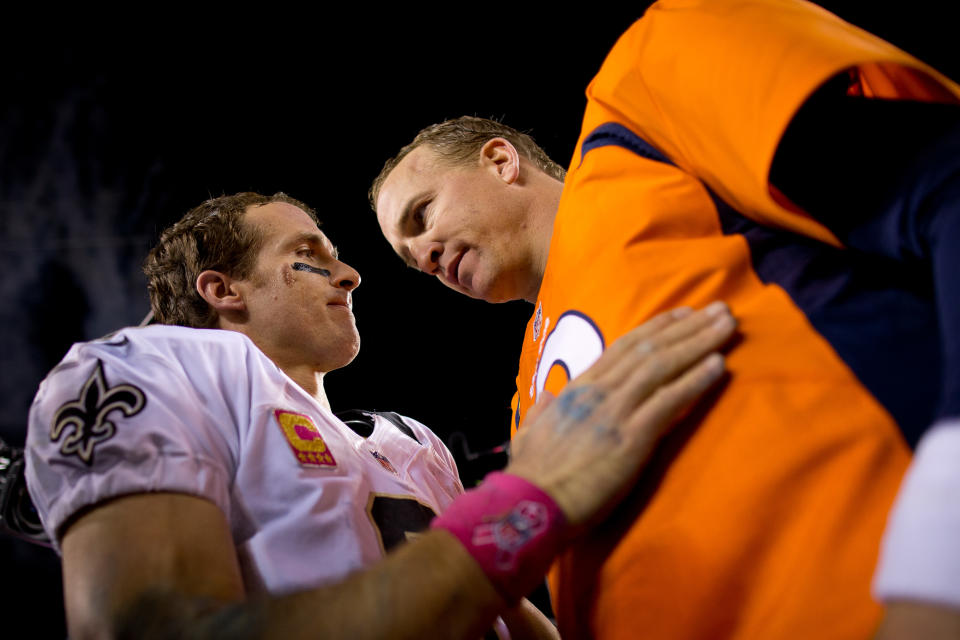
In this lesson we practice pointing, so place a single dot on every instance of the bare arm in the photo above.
(907, 620)
(164, 565)
(156, 565)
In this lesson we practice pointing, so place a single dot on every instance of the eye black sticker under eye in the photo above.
(300, 266)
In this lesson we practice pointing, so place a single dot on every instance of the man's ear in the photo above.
(220, 291)
(498, 155)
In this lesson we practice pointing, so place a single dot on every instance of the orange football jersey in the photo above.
(761, 516)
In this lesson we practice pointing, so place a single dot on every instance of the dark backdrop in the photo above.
(111, 128)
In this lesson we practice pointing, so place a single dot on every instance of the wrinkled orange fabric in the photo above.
(762, 517)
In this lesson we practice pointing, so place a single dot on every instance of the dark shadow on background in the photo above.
(59, 306)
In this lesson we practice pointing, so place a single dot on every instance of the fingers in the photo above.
(645, 359)
(608, 419)
(666, 349)
(590, 442)
(690, 325)
(667, 362)
(630, 341)
(658, 412)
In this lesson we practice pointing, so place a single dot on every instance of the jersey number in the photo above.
(396, 517)
(574, 344)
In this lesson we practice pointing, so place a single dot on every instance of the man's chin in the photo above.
(478, 288)
(494, 296)
(347, 356)
(482, 294)
(497, 291)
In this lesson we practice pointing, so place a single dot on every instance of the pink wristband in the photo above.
(511, 528)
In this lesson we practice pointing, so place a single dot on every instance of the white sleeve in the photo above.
(440, 448)
(441, 473)
(110, 421)
(920, 556)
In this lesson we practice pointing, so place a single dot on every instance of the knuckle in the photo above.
(624, 343)
(645, 347)
(658, 360)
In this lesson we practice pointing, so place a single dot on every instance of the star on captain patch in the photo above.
(382, 459)
(537, 321)
(305, 440)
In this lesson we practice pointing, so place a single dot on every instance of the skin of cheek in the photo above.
(288, 276)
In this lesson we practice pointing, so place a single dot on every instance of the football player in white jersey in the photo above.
(197, 484)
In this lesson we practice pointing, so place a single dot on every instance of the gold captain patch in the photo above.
(305, 440)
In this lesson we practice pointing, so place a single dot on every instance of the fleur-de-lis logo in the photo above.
(87, 415)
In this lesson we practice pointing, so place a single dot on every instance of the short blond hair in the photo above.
(458, 141)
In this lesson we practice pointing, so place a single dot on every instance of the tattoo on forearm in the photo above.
(159, 615)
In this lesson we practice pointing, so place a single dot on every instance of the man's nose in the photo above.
(345, 277)
(427, 254)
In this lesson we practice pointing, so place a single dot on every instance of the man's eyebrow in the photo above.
(315, 239)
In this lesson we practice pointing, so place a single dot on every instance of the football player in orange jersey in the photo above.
(803, 170)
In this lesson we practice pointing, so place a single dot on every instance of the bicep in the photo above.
(140, 544)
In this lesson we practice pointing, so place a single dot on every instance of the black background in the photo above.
(112, 126)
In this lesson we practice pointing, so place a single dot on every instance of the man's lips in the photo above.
(453, 268)
(340, 302)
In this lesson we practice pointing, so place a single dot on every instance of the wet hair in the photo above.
(213, 236)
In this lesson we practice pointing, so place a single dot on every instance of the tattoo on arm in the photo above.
(580, 402)
(169, 616)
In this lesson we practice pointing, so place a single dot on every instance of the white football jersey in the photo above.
(205, 412)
